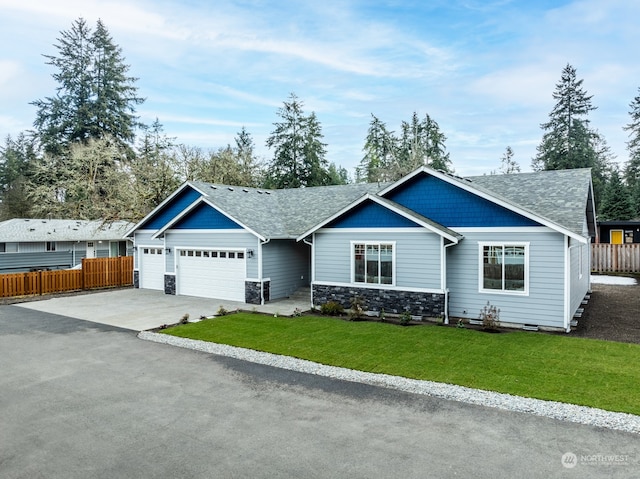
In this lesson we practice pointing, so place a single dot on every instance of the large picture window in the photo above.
(373, 263)
(504, 267)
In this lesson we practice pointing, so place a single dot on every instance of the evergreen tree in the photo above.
(436, 152)
(250, 170)
(632, 167)
(338, 175)
(508, 164)
(389, 158)
(95, 98)
(616, 201)
(568, 141)
(379, 153)
(299, 153)
(16, 161)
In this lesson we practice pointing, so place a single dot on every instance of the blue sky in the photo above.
(484, 70)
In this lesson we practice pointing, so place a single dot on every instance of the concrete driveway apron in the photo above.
(135, 309)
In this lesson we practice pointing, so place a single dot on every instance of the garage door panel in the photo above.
(216, 274)
(151, 267)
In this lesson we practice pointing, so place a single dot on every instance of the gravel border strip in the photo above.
(551, 409)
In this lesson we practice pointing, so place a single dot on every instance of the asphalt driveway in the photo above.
(143, 309)
(86, 400)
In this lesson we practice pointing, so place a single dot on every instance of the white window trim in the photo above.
(378, 243)
(481, 289)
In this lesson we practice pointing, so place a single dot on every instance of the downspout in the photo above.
(260, 243)
(313, 266)
(444, 276)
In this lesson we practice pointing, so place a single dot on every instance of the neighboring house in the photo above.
(34, 244)
(619, 232)
(431, 243)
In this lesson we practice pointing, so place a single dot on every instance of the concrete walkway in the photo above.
(143, 309)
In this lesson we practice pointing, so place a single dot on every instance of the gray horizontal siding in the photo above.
(212, 240)
(579, 283)
(287, 264)
(543, 306)
(417, 256)
(22, 262)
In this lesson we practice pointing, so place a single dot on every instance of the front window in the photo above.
(51, 246)
(504, 268)
(373, 263)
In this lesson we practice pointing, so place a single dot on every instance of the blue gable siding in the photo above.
(453, 207)
(171, 209)
(206, 217)
(371, 215)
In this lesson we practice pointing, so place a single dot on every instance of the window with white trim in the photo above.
(51, 246)
(504, 267)
(373, 263)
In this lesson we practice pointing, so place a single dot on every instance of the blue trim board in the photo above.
(371, 215)
(171, 209)
(452, 206)
(205, 216)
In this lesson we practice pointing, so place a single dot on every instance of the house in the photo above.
(431, 243)
(619, 232)
(32, 244)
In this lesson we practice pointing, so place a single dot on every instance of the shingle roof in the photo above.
(557, 196)
(283, 213)
(38, 230)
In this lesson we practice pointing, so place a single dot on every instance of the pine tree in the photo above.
(436, 151)
(95, 98)
(16, 162)
(568, 141)
(249, 168)
(299, 153)
(389, 158)
(508, 164)
(379, 153)
(616, 201)
(632, 167)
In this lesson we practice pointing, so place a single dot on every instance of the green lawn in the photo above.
(556, 367)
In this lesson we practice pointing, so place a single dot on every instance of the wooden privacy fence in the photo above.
(615, 258)
(95, 273)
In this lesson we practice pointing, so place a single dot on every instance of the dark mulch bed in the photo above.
(613, 314)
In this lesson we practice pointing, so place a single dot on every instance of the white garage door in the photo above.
(213, 273)
(151, 268)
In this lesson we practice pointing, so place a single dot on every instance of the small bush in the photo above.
(405, 317)
(490, 316)
(332, 308)
(356, 312)
(184, 319)
(297, 313)
(222, 311)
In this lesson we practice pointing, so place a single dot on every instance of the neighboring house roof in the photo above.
(558, 199)
(23, 230)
